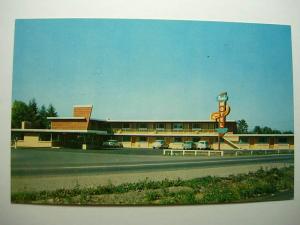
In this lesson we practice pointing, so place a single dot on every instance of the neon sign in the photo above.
(224, 110)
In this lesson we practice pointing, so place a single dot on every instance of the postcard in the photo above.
(151, 112)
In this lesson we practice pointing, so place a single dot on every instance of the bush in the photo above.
(152, 196)
(221, 194)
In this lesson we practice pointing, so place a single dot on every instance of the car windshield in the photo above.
(188, 142)
(112, 141)
(159, 141)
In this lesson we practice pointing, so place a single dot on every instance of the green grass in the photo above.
(273, 184)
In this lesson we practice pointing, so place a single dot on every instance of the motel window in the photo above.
(55, 137)
(244, 140)
(18, 136)
(196, 126)
(215, 140)
(262, 140)
(44, 137)
(126, 138)
(204, 125)
(143, 126)
(282, 140)
(196, 139)
(160, 126)
(80, 137)
(159, 138)
(126, 126)
(177, 139)
(142, 138)
(211, 126)
(177, 126)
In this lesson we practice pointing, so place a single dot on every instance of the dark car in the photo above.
(112, 144)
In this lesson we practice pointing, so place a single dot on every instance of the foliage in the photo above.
(268, 130)
(288, 132)
(242, 127)
(20, 112)
(51, 112)
(42, 115)
(32, 113)
(258, 186)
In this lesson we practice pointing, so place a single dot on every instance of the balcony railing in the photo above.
(163, 131)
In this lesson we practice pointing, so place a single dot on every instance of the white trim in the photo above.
(100, 120)
(83, 106)
(166, 135)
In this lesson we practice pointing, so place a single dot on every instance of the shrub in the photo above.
(152, 196)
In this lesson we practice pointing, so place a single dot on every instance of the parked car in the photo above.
(160, 144)
(112, 144)
(202, 145)
(188, 145)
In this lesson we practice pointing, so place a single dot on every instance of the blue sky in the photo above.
(156, 69)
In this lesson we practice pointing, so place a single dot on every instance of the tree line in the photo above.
(242, 128)
(30, 112)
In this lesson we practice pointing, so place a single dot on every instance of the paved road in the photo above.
(119, 165)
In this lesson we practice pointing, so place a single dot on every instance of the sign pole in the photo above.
(219, 144)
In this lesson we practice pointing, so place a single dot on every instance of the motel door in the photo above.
(271, 142)
(168, 140)
(133, 140)
(251, 142)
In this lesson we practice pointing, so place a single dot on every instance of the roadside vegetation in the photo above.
(262, 185)
(242, 128)
(36, 116)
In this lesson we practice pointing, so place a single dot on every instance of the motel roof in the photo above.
(136, 121)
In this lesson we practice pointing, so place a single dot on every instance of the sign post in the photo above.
(221, 133)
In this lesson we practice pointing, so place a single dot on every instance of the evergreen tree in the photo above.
(51, 112)
(257, 130)
(42, 118)
(33, 113)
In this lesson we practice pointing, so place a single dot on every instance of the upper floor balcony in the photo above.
(148, 131)
(166, 127)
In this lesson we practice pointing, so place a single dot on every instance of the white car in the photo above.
(159, 144)
(202, 145)
(112, 144)
(188, 145)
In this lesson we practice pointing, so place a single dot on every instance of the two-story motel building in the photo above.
(82, 131)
